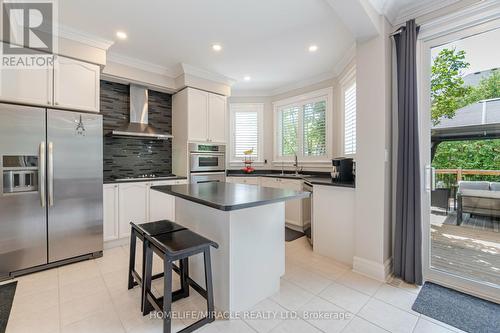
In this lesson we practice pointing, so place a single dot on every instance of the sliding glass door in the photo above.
(460, 156)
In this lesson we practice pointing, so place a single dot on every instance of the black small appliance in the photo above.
(342, 170)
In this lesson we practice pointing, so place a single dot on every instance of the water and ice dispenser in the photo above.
(20, 173)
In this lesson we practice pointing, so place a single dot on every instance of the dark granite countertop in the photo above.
(313, 178)
(140, 180)
(227, 196)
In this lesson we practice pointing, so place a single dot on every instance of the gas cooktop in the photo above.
(149, 176)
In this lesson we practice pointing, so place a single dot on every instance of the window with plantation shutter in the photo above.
(289, 125)
(350, 120)
(314, 129)
(302, 127)
(246, 130)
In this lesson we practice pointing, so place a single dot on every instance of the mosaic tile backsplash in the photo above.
(130, 157)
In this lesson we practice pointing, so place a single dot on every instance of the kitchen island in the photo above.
(248, 223)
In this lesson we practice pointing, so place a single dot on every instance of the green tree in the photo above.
(488, 87)
(447, 84)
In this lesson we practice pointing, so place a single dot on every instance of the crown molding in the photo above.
(346, 60)
(419, 9)
(141, 64)
(479, 13)
(204, 74)
(84, 38)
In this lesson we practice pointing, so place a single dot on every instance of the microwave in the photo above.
(206, 157)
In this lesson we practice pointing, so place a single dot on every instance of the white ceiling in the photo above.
(265, 39)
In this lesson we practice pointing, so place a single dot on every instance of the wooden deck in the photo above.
(471, 250)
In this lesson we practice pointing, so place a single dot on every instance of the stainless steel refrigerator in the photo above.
(51, 189)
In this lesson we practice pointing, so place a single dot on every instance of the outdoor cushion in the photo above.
(495, 186)
(473, 185)
(481, 194)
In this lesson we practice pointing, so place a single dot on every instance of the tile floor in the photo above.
(92, 296)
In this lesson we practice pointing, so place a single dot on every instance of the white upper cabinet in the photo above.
(26, 86)
(76, 85)
(197, 115)
(206, 119)
(69, 84)
(217, 118)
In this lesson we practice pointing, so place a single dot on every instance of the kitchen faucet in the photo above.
(296, 164)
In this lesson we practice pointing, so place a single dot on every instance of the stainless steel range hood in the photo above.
(138, 125)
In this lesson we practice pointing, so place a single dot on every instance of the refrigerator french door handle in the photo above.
(50, 173)
(41, 173)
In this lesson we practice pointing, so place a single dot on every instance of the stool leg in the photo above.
(167, 295)
(184, 263)
(131, 263)
(143, 270)
(208, 284)
(146, 279)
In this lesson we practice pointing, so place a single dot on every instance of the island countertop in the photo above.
(229, 196)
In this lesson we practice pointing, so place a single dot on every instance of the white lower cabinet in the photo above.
(132, 206)
(161, 206)
(244, 180)
(293, 208)
(110, 212)
(135, 202)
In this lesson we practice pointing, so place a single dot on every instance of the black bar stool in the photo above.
(178, 245)
(141, 231)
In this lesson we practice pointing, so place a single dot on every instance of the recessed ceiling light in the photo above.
(121, 35)
(216, 47)
(247, 78)
(313, 48)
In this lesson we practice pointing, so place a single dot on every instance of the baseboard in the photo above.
(372, 269)
(294, 227)
(116, 242)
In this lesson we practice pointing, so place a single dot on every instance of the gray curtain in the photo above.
(408, 224)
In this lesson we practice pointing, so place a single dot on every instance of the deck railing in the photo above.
(467, 174)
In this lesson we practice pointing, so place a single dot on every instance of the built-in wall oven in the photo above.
(207, 163)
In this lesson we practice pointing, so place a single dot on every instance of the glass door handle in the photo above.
(430, 178)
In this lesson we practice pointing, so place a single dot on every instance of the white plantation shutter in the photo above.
(350, 120)
(246, 129)
(289, 125)
(314, 125)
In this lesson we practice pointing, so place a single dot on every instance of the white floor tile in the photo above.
(360, 282)
(81, 289)
(226, 326)
(397, 297)
(388, 317)
(265, 316)
(324, 315)
(426, 326)
(106, 322)
(84, 307)
(77, 272)
(40, 321)
(295, 326)
(345, 297)
(359, 325)
(290, 296)
(312, 282)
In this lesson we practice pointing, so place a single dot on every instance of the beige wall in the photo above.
(373, 181)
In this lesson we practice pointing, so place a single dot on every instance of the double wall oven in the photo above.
(207, 163)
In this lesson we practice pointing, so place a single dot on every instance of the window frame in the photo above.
(260, 132)
(345, 83)
(325, 94)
